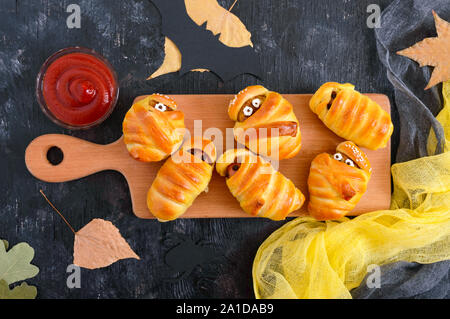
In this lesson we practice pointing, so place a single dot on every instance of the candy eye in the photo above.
(248, 111)
(349, 162)
(256, 103)
(338, 157)
(161, 107)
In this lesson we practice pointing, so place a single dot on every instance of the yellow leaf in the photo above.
(233, 32)
(172, 60)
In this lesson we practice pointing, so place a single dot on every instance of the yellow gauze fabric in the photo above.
(310, 259)
(444, 119)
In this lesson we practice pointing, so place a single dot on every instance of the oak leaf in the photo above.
(15, 265)
(99, 244)
(20, 292)
(433, 52)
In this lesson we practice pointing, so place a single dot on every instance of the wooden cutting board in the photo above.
(82, 158)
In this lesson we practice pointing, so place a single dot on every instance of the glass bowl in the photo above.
(40, 88)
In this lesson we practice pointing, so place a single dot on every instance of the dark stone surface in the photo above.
(301, 45)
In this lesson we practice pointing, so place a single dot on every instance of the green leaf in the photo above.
(20, 292)
(6, 244)
(15, 265)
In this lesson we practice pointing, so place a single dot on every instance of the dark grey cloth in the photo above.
(408, 280)
(404, 23)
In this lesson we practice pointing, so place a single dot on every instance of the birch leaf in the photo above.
(15, 265)
(99, 244)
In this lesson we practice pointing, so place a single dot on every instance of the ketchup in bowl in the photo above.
(77, 88)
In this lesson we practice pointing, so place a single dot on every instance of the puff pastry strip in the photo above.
(184, 176)
(153, 128)
(256, 108)
(336, 184)
(351, 115)
(259, 188)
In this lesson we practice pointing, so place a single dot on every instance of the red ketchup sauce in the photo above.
(79, 89)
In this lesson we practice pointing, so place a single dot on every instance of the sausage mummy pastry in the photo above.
(257, 108)
(184, 176)
(351, 115)
(153, 128)
(259, 188)
(337, 182)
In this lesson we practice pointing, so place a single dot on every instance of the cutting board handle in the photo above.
(80, 158)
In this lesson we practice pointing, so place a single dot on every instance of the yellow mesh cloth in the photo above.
(310, 259)
(444, 119)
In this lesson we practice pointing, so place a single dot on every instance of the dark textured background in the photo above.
(301, 45)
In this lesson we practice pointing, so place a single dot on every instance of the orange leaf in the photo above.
(433, 52)
(99, 244)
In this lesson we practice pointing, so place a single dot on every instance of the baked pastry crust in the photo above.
(260, 189)
(335, 187)
(274, 112)
(151, 135)
(352, 115)
(181, 179)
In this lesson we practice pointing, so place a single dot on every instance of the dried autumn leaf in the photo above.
(20, 292)
(233, 32)
(99, 244)
(172, 60)
(15, 265)
(433, 52)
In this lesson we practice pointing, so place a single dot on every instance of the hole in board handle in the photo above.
(55, 155)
